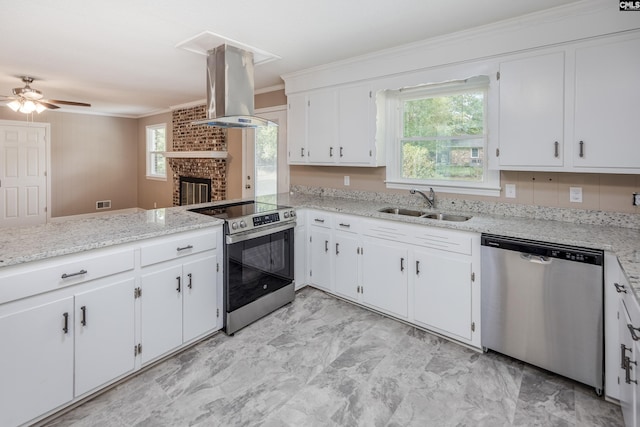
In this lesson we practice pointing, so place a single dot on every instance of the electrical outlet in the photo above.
(347, 180)
(575, 194)
(636, 199)
(510, 191)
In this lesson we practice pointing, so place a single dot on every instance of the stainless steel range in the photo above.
(258, 260)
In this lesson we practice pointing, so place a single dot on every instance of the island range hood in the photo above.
(230, 89)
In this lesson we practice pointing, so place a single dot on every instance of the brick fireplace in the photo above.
(193, 138)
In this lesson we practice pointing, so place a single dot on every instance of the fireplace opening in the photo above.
(194, 190)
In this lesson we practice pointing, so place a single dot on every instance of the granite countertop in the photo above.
(623, 242)
(24, 244)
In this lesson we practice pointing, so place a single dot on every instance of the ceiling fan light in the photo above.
(40, 108)
(28, 107)
(14, 105)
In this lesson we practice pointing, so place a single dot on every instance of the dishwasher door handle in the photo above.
(536, 259)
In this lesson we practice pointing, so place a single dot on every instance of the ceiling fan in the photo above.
(27, 99)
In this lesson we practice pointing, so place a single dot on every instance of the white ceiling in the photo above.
(121, 55)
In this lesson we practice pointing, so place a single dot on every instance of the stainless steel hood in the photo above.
(230, 89)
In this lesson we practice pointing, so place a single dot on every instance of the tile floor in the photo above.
(324, 362)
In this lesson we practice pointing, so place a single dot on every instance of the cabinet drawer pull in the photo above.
(321, 221)
(65, 328)
(633, 332)
(337, 249)
(190, 285)
(556, 153)
(83, 320)
(620, 288)
(326, 246)
(330, 151)
(627, 374)
(401, 264)
(581, 148)
(340, 151)
(417, 268)
(345, 225)
(184, 248)
(302, 152)
(79, 273)
(179, 280)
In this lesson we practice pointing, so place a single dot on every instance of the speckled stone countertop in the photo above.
(25, 244)
(623, 242)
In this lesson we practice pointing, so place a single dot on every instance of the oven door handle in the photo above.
(241, 237)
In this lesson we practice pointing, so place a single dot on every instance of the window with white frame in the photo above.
(439, 138)
(156, 147)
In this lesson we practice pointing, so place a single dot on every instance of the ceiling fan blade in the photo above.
(47, 104)
(58, 101)
(7, 97)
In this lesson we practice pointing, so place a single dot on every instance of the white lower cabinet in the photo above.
(70, 324)
(385, 276)
(300, 249)
(31, 384)
(320, 254)
(442, 298)
(104, 334)
(424, 275)
(629, 354)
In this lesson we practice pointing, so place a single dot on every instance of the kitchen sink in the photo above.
(447, 217)
(420, 214)
(401, 211)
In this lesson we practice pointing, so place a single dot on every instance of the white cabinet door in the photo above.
(532, 111)
(200, 297)
(161, 311)
(345, 249)
(356, 126)
(320, 271)
(322, 129)
(627, 352)
(442, 293)
(606, 105)
(297, 129)
(104, 333)
(36, 368)
(384, 276)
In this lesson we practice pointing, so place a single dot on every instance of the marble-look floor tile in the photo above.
(321, 361)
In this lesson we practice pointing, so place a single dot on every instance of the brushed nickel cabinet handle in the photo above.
(79, 273)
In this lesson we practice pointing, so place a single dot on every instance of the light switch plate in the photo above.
(575, 194)
(510, 191)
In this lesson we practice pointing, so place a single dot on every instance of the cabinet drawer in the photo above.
(168, 248)
(48, 275)
(347, 223)
(319, 219)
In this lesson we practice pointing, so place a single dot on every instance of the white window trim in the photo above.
(148, 152)
(491, 184)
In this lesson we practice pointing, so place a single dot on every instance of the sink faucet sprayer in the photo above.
(431, 198)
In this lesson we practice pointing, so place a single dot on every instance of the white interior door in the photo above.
(265, 168)
(23, 181)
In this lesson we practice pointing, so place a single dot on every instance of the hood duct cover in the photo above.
(230, 89)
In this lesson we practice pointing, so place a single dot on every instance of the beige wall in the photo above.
(151, 192)
(605, 192)
(92, 158)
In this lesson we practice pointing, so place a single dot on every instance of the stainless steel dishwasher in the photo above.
(542, 303)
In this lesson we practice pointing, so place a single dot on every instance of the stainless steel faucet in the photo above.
(431, 198)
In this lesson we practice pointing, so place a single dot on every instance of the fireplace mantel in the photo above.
(195, 154)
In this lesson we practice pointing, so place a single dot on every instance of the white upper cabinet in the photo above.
(572, 109)
(297, 129)
(334, 127)
(606, 106)
(532, 111)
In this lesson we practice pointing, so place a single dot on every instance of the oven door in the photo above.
(257, 263)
